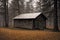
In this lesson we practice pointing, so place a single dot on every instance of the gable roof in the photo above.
(27, 16)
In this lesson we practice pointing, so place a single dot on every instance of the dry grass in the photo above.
(13, 34)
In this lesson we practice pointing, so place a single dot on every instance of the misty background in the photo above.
(16, 7)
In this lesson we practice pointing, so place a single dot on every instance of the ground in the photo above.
(20, 34)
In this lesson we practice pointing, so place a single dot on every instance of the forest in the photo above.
(11, 8)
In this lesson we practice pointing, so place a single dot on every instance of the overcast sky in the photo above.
(33, 3)
(9, 1)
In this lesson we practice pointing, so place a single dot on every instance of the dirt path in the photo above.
(12, 34)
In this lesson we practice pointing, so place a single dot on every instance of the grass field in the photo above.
(20, 34)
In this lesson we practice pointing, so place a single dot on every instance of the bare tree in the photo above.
(48, 8)
(55, 17)
(6, 14)
(13, 10)
(2, 13)
(4, 10)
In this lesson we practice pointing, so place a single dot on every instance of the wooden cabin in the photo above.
(30, 21)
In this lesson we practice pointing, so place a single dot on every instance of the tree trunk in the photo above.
(6, 13)
(55, 16)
